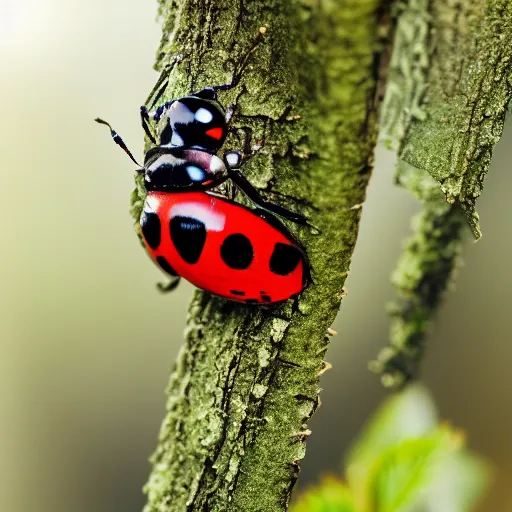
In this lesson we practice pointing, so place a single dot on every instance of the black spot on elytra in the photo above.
(237, 292)
(265, 297)
(164, 264)
(188, 236)
(151, 229)
(237, 251)
(284, 259)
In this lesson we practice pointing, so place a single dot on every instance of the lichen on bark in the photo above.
(468, 92)
(247, 379)
(450, 83)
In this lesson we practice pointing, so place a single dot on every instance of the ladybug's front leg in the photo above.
(145, 118)
(233, 160)
(170, 286)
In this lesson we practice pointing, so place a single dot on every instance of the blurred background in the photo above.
(86, 342)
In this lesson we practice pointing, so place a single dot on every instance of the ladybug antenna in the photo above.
(244, 62)
(119, 141)
(208, 92)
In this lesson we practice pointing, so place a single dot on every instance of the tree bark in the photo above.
(247, 379)
(450, 83)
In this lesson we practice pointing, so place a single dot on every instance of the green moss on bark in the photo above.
(407, 73)
(450, 82)
(469, 89)
(247, 378)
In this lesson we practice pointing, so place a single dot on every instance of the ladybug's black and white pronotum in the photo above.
(192, 230)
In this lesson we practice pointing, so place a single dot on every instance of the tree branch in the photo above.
(450, 83)
(246, 380)
(424, 271)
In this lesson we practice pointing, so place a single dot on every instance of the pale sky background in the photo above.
(86, 343)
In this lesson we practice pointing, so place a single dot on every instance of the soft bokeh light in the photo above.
(86, 341)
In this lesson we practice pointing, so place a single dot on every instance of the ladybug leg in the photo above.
(160, 86)
(301, 202)
(244, 135)
(230, 111)
(154, 116)
(243, 183)
(232, 192)
(145, 114)
(144, 117)
(170, 286)
(233, 160)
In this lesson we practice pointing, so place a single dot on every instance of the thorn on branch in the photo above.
(302, 436)
(327, 366)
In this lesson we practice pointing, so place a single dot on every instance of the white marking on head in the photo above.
(203, 115)
(213, 220)
(166, 158)
(180, 113)
(195, 173)
(176, 140)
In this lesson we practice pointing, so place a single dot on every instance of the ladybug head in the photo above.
(194, 122)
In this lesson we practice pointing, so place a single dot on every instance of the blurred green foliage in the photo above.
(403, 461)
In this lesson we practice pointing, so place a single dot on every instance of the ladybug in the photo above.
(192, 230)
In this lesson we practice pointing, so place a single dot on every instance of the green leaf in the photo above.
(402, 474)
(332, 495)
(409, 414)
(403, 461)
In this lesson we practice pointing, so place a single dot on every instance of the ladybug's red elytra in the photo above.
(191, 230)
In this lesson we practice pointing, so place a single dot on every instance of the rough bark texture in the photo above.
(247, 379)
(469, 89)
(450, 82)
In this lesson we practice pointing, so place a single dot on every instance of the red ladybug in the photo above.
(236, 252)
(240, 253)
